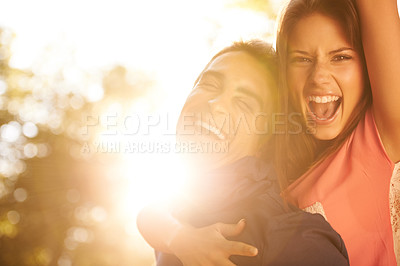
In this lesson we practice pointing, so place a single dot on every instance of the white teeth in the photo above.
(211, 128)
(323, 99)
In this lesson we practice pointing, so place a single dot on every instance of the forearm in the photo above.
(158, 226)
(192, 246)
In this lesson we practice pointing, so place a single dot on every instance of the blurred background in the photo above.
(90, 92)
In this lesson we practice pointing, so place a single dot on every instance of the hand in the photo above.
(208, 245)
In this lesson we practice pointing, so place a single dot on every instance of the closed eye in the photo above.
(208, 86)
(210, 81)
(245, 104)
(248, 99)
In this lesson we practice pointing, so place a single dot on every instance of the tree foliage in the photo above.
(56, 201)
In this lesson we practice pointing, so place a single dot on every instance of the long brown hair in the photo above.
(297, 153)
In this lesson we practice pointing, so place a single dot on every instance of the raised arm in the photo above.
(193, 246)
(380, 27)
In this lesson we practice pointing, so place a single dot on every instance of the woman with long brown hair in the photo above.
(350, 158)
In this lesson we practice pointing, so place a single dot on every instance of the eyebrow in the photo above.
(331, 52)
(250, 94)
(212, 73)
(341, 50)
(206, 73)
(298, 52)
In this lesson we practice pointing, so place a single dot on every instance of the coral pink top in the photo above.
(351, 189)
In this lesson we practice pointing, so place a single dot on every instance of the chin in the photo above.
(326, 134)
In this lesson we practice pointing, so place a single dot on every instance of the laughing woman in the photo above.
(351, 175)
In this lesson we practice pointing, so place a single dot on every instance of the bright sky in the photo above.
(171, 40)
(151, 35)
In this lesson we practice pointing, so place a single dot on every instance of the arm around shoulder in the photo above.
(158, 226)
(193, 246)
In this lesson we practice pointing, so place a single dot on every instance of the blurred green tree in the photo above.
(56, 202)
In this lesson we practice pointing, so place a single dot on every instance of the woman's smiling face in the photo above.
(229, 104)
(324, 74)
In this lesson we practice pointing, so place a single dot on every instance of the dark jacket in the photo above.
(284, 235)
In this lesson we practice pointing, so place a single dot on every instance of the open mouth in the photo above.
(203, 127)
(324, 108)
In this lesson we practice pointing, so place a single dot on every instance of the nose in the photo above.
(320, 74)
(219, 111)
(218, 105)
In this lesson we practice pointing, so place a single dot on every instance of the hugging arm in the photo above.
(193, 246)
(158, 226)
(380, 27)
